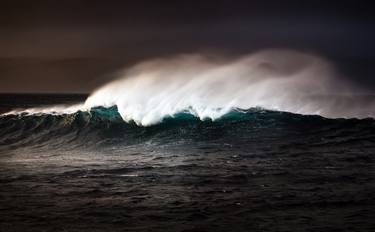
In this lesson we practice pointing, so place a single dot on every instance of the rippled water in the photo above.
(252, 170)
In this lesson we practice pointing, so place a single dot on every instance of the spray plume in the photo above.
(208, 88)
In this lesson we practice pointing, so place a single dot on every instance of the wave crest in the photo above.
(211, 87)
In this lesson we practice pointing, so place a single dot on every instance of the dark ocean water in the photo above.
(253, 170)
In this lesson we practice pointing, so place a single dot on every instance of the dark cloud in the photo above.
(72, 46)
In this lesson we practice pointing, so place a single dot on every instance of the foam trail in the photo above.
(208, 88)
(53, 110)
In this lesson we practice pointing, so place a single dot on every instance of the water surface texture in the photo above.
(249, 170)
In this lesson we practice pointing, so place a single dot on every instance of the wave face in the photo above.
(104, 127)
(211, 87)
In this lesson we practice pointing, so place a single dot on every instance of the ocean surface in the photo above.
(249, 170)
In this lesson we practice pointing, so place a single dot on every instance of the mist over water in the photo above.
(211, 87)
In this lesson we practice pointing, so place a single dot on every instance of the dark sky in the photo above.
(74, 46)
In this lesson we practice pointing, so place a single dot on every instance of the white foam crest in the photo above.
(53, 110)
(272, 79)
(211, 87)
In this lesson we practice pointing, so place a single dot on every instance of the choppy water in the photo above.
(251, 170)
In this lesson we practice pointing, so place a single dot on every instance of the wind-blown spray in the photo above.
(208, 88)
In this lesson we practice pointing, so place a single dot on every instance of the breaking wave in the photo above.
(210, 87)
(104, 126)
